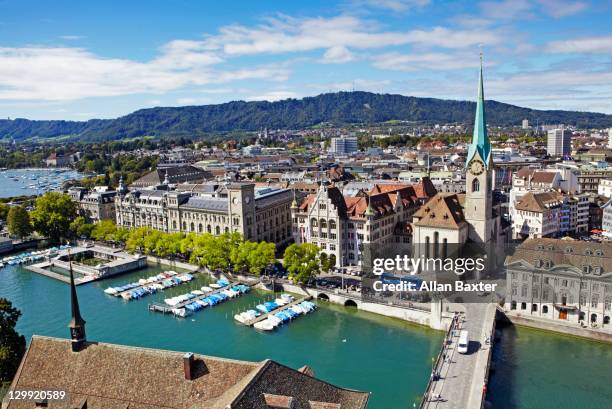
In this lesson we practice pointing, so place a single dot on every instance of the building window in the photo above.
(475, 185)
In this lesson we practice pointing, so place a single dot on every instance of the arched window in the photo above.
(217, 230)
(313, 222)
(192, 227)
(208, 229)
(200, 228)
(174, 224)
(332, 224)
(436, 244)
(323, 223)
(226, 230)
(184, 226)
(475, 185)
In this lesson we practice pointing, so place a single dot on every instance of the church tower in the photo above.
(77, 323)
(478, 206)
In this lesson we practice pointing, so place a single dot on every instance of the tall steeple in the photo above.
(77, 323)
(480, 139)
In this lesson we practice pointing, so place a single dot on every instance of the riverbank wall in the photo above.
(587, 333)
(430, 316)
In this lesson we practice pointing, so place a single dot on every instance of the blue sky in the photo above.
(102, 59)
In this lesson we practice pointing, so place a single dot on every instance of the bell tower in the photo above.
(478, 206)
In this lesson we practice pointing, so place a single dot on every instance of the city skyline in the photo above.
(112, 59)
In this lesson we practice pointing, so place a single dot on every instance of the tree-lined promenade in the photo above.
(55, 218)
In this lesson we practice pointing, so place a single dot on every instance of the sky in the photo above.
(79, 60)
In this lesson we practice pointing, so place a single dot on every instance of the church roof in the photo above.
(444, 210)
(114, 376)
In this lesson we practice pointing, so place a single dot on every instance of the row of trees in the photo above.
(302, 261)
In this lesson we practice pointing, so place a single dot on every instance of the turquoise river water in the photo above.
(387, 357)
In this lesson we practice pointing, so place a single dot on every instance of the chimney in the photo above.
(41, 403)
(188, 365)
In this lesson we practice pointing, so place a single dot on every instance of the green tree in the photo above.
(239, 256)
(301, 261)
(4, 209)
(262, 257)
(18, 222)
(80, 228)
(12, 345)
(169, 244)
(104, 230)
(136, 239)
(327, 262)
(121, 234)
(52, 215)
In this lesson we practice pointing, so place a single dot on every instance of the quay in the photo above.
(284, 307)
(459, 381)
(114, 262)
(167, 309)
(57, 276)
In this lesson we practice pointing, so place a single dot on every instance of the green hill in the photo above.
(336, 108)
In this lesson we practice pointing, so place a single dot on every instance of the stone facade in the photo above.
(257, 214)
(95, 205)
(564, 280)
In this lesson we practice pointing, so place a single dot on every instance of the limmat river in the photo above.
(387, 357)
(541, 370)
(21, 182)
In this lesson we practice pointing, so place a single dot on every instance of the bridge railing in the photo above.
(438, 363)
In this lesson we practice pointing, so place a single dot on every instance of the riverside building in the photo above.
(342, 225)
(256, 213)
(561, 280)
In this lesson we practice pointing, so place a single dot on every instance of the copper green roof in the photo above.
(480, 139)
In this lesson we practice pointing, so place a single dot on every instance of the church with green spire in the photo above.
(460, 218)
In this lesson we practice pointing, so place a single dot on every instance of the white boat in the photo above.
(180, 312)
(215, 285)
(206, 289)
(111, 291)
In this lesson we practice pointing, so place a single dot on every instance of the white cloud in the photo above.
(398, 6)
(186, 101)
(286, 34)
(562, 8)
(273, 95)
(505, 9)
(424, 61)
(337, 55)
(599, 45)
(38, 73)
(71, 37)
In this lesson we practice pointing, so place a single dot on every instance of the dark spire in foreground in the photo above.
(77, 323)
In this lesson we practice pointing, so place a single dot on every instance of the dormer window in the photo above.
(540, 247)
(588, 252)
(586, 269)
(598, 252)
(569, 250)
(538, 263)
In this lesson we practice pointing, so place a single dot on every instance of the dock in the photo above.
(284, 307)
(167, 309)
(147, 285)
(57, 276)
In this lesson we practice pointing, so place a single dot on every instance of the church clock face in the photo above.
(476, 167)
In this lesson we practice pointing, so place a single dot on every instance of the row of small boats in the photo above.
(197, 300)
(151, 285)
(273, 320)
(31, 256)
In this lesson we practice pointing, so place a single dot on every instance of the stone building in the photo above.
(561, 280)
(342, 225)
(258, 214)
(95, 205)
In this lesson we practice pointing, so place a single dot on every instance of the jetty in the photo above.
(149, 284)
(168, 309)
(276, 311)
